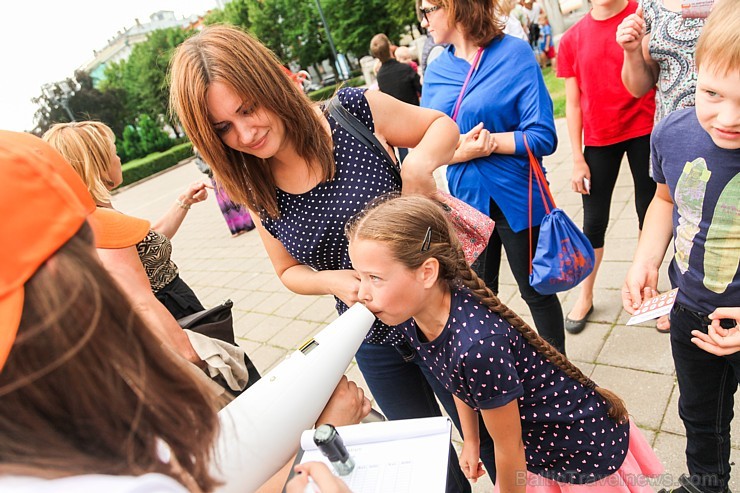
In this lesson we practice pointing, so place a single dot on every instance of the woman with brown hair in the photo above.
(90, 400)
(303, 176)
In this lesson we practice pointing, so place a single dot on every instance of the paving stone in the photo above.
(586, 346)
(272, 302)
(639, 348)
(266, 357)
(244, 322)
(268, 328)
(319, 310)
(249, 303)
(645, 394)
(293, 335)
(296, 305)
(620, 249)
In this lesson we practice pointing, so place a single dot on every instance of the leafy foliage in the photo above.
(236, 12)
(84, 101)
(143, 139)
(142, 77)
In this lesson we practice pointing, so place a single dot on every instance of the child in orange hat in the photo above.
(89, 398)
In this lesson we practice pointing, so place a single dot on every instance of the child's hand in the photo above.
(718, 340)
(631, 31)
(639, 285)
(581, 176)
(470, 462)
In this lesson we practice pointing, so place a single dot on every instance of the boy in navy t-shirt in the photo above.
(696, 163)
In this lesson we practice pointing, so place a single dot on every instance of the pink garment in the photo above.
(640, 464)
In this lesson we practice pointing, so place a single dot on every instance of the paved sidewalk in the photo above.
(272, 322)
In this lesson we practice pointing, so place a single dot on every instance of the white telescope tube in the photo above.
(261, 429)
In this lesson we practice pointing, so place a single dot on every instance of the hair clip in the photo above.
(427, 240)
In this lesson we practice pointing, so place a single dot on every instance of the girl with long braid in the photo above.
(550, 423)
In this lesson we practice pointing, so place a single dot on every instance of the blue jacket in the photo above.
(508, 94)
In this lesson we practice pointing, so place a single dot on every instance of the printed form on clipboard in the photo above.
(401, 456)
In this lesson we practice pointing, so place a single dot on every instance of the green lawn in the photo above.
(557, 91)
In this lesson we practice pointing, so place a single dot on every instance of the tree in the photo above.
(236, 13)
(353, 24)
(84, 101)
(143, 76)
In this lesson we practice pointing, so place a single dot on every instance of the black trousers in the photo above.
(604, 163)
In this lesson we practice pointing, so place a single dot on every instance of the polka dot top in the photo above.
(311, 225)
(487, 363)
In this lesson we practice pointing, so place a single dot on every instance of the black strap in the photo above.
(358, 130)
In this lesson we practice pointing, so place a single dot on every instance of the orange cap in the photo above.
(116, 230)
(43, 204)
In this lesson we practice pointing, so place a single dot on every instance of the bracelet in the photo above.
(182, 204)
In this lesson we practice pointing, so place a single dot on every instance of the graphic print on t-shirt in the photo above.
(689, 196)
(721, 257)
(720, 251)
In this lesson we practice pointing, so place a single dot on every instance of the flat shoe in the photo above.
(577, 326)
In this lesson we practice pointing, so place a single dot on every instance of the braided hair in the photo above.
(415, 229)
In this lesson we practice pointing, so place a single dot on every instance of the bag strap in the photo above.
(473, 67)
(359, 130)
(536, 170)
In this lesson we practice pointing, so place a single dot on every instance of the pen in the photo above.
(311, 486)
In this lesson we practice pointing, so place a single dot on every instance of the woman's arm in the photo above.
(175, 215)
(470, 456)
(534, 108)
(302, 279)
(431, 135)
(505, 427)
(639, 70)
(124, 266)
(574, 119)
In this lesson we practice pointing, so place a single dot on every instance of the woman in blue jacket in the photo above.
(505, 101)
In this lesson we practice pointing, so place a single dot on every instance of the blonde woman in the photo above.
(91, 149)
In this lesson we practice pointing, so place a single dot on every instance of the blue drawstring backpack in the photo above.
(564, 256)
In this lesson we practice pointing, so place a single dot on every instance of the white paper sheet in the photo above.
(393, 456)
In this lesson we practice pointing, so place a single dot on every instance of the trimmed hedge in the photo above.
(138, 169)
(328, 91)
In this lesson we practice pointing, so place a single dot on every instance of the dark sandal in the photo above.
(577, 326)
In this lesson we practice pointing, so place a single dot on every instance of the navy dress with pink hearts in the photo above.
(487, 363)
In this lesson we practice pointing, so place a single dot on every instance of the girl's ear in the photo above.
(428, 272)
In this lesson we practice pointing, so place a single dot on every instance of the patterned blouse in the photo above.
(311, 225)
(672, 46)
(155, 253)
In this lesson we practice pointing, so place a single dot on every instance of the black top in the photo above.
(311, 224)
(400, 81)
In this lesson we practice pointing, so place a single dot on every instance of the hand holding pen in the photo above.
(315, 477)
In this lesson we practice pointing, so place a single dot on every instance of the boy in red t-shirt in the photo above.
(604, 117)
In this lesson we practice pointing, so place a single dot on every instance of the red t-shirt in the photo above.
(589, 52)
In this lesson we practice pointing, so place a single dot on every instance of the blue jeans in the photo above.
(707, 384)
(404, 390)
